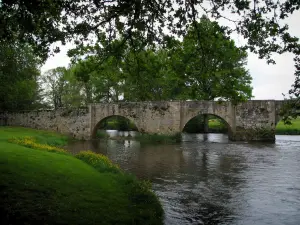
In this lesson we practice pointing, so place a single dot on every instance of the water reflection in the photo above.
(219, 138)
(209, 180)
(116, 133)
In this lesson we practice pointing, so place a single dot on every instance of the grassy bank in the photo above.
(215, 125)
(41, 183)
(281, 128)
(293, 129)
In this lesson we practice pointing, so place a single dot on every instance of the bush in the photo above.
(98, 161)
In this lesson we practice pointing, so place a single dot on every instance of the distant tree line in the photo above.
(210, 67)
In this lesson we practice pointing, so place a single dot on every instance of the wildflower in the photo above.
(30, 142)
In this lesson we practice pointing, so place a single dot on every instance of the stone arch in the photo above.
(211, 114)
(223, 110)
(95, 128)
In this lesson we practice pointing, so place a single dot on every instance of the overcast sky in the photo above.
(269, 81)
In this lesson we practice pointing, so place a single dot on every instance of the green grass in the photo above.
(293, 129)
(281, 128)
(101, 134)
(215, 123)
(41, 187)
(42, 137)
(115, 124)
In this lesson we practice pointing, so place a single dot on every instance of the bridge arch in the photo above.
(100, 122)
(229, 128)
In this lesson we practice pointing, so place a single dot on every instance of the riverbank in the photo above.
(215, 126)
(41, 183)
(293, 129)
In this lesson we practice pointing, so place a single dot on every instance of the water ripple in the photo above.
(210, 180)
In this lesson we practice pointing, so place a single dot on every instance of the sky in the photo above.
(269, 81)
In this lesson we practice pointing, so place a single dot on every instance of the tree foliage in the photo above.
(42, 22)
(212, 65)
(19, 71)
(208, 67)
(54, 84)
(148, 76)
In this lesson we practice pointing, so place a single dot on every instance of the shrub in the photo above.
(98, 161)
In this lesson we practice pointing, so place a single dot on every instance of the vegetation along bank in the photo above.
(41, 183)
(292, 129)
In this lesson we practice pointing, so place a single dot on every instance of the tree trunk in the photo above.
(205, 123)
(88, 93)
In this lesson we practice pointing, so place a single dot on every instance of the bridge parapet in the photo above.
(73, 122)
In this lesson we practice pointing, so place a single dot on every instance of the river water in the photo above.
(207, 179)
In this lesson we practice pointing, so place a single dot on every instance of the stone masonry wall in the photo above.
(191, 109)
(74, 123)
(252, 120)
(255, 120)
(149, 117)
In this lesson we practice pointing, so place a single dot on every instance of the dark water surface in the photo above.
(208, 180)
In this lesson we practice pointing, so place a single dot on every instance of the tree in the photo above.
(41, 22)
(73, 95)
(44, 22)
(212, 65)
(100, 82)
(148, 75)
(54, 83)
(200, 68)
(19, 71)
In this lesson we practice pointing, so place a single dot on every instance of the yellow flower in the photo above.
(30, 142)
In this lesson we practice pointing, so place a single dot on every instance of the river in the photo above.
(207, 179)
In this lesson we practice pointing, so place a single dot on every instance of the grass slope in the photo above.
(43, 137)
(49, 188)
(294, 128)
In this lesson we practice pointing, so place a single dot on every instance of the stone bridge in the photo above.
(248, 121)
